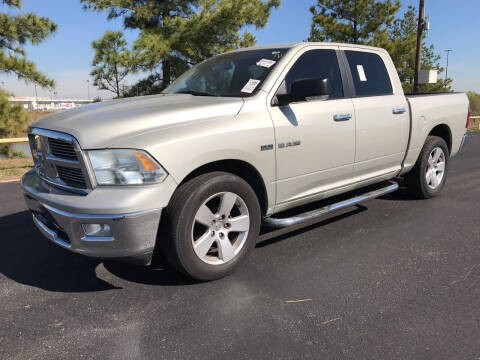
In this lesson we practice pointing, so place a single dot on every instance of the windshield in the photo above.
(237, 74)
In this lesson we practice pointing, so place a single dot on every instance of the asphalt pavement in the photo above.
(395, 278)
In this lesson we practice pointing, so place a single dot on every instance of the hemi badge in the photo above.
(266, 147)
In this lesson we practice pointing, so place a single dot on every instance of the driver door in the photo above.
(315, 138)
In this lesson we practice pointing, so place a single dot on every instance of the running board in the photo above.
(313, 214)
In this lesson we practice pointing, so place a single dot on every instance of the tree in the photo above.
(351, 21)
(176, 34)
(152, 84)
(112, 62)
(15, 33)
(401, 40)
(13, 119)
(474, 99)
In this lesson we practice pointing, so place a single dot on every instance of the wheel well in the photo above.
(444, 132)
(240, 168)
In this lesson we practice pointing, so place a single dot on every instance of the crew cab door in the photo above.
(315, 138)
(382, 117)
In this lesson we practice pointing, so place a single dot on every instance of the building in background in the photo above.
(33, 103)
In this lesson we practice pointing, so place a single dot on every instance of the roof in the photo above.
(305, 43)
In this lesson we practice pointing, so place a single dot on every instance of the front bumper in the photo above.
(61, 217)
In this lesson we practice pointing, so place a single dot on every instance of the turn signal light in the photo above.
(148, 163)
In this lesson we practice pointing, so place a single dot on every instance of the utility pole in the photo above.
(446, 69)
(88, 89)
(418, 54)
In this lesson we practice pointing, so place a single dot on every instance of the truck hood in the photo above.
(101, 125)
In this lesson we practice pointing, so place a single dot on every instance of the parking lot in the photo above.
(394, 278)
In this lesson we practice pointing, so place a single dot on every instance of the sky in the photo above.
(67, 55)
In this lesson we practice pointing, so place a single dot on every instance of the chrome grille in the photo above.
(59, 160)
(62, 148)
(71, 176)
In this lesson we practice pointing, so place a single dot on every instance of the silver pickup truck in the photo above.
(236, 141)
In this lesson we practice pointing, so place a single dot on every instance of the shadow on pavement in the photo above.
(270, 236)
(30, 259)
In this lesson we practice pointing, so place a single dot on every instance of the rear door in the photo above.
(381, 111)
(315, 138)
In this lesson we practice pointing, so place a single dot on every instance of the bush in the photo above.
(474, 102)
(13, 120)
(13, 117)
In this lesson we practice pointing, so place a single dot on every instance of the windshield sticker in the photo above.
(250, 86)
(266, 63)
(361, 73)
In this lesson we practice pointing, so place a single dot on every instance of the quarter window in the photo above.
(317, 64)
(370, 75)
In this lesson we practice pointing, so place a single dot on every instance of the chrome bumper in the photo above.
(133, 235)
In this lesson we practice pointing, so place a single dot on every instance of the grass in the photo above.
(13, 169)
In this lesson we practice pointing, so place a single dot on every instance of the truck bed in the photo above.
(429, 109)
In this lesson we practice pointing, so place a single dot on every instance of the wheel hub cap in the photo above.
(220, 228)
(435, 168)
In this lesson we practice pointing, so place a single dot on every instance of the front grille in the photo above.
(61, 148)
(71, 176)
(58, 160)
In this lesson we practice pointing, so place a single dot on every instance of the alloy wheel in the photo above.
(435, 168)
(220, 228)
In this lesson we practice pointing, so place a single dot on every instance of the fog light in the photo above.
(97, 230)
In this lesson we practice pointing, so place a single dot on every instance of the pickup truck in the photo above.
(235, 142)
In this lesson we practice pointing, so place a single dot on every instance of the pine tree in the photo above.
(401, 42)
(351, 21)
(176, 34)
(112, 62)
(15, 32)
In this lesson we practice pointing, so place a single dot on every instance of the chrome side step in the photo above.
(313, 214)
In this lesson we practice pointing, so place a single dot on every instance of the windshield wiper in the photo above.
(194, 93)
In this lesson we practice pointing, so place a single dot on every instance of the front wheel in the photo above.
(213, 221)
(428, 176)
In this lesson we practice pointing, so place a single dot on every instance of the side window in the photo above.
(317, 64)
(370, 75)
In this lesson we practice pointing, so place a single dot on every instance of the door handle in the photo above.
(398, 110)
(342, 117)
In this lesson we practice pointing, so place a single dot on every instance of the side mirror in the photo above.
(303, 89)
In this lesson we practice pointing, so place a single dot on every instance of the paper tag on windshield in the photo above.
(266, 63)
(250, 86)
(361, 73)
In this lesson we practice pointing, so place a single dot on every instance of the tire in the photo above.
(194, 219)
(424, 180)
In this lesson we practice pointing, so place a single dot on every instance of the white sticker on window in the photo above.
(266, 63)
(250, 86)
(361, 73)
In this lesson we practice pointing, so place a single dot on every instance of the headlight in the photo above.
(125, 167)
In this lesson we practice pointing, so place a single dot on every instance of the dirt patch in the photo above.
(13, 169)
(474, 124)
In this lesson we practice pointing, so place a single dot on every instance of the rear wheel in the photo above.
(213, 221)
(428, 176)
